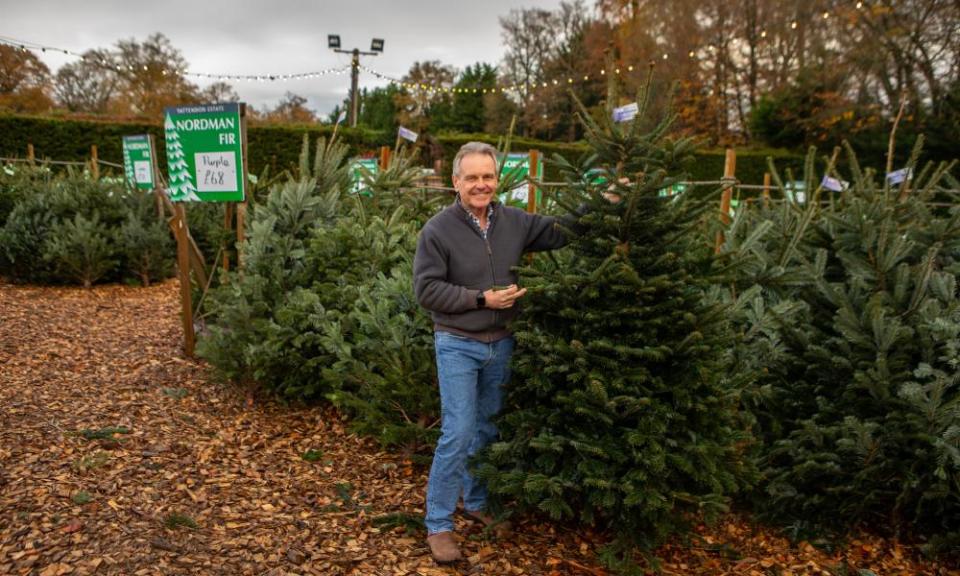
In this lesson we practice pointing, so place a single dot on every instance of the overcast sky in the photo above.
(275, 37)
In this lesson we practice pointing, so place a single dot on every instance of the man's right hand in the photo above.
(503, 299)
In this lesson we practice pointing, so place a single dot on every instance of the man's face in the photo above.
(477, 181)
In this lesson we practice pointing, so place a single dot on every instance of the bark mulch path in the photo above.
(120, 456)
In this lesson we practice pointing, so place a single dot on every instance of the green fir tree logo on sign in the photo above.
(182, 187)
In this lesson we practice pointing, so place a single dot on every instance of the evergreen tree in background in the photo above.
(855, 316)
(621, 411)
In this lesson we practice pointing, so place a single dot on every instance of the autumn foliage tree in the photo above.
(24, 81)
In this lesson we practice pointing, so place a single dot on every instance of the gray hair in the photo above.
(473, 148)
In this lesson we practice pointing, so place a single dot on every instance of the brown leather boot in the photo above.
(499, 528)
(444, 547)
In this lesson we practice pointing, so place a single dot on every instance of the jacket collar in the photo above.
(465, 213)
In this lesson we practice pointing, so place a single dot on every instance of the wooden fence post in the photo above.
(30, 155)
(179, 225)
(94, 162)
(533, 160)
(384, 157)
(766, 189)
(729, 181)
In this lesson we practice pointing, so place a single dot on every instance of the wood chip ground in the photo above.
(118, 455)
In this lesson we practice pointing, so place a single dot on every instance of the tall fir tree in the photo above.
(621, 411)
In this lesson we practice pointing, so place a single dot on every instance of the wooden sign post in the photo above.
(179, 225)
(206, 155)
(242, 205)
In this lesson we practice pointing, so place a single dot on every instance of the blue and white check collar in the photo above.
(476, 221)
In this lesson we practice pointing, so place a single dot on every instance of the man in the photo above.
(464, 259)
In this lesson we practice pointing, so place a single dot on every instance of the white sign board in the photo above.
(407, 134)
(216, 171)
(142, 173)
(898, 176)
(626, 113)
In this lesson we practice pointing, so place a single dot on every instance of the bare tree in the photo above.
(530, 38)
(219, 92)
(86, 85)
(152, 76)
(291, 108)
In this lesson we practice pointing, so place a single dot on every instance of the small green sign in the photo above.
(204, 153)
(517, 165)
(796, 191)
(672, 190)
(138, 161)
(357, 168)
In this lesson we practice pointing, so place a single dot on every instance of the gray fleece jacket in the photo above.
(454, 263)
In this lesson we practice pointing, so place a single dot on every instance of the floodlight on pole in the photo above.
(376, 47)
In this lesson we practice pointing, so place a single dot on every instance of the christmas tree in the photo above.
(621, 411)
(181, 182)
(854, 317)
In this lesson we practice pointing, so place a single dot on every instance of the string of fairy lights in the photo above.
(441, 89)
(101, 59)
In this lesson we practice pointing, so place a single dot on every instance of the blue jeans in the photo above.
(472, 374)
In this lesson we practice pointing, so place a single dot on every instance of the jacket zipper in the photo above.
(493, 272)
(486, 243)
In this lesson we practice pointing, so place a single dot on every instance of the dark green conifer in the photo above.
(622, 411)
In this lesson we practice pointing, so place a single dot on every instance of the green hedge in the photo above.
(279, 146)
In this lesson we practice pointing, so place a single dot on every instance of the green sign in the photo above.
(138, 161)
(517, 167)
(357, 168)
(595, 176)
(204, 154)
(672, 190)
(796, 191)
